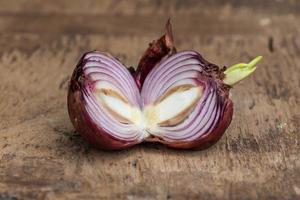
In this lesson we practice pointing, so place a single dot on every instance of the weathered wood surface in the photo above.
(41, 157)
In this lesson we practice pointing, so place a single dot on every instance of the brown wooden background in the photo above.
(41, 157)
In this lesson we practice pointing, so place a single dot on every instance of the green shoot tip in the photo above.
(238, 72)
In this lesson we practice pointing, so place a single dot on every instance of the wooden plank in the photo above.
(41, 157)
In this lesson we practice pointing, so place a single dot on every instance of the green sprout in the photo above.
(238, 72)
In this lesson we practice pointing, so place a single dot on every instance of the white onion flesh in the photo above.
(182, 100)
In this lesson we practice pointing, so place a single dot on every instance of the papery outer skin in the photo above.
(83, 122)
(157, 50)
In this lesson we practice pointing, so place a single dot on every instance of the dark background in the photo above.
(41, 157)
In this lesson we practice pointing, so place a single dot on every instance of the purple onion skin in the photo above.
(83, 122)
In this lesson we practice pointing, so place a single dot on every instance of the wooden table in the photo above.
(42, 157)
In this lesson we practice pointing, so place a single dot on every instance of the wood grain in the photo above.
(41, 157)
